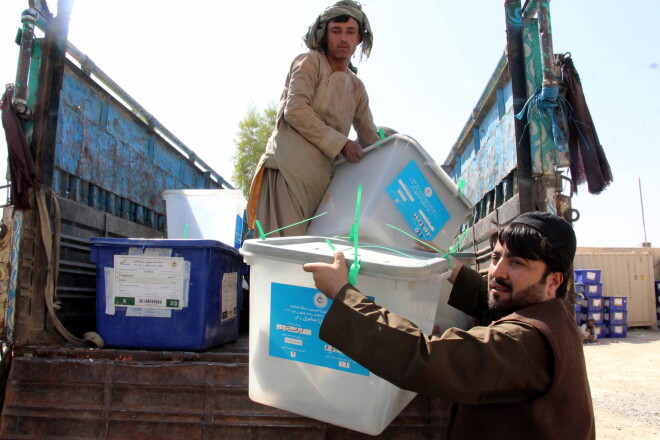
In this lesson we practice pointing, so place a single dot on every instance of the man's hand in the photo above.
(352, 151)
(432, 248)
(455, 270)
(329, 278)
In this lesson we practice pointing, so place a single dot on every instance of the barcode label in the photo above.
(151, 301)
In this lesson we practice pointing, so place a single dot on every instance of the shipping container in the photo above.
(625, 272)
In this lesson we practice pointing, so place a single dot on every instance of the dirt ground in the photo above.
(624, 375)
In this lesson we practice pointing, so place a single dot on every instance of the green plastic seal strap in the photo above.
(355, 267)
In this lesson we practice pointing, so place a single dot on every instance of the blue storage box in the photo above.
(657, 287)
(598, 315)
(587, 276)
(616, 303)
(593, 303)
(615, 317)
(578, 315)
(166, 294)
(617, 331)
(590, 290)
(600, 330)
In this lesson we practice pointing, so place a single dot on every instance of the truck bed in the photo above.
(76, 393)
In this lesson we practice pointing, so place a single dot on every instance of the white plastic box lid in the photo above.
(379, 261)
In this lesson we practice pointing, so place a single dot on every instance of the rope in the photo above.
(546, 102)
(90, 339)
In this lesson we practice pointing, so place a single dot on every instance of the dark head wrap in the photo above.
(555, 228)
(315, 37)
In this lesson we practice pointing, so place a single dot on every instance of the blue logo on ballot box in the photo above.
(418, 202)
(296, 314)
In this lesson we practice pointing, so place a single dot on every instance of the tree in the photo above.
(253, 133)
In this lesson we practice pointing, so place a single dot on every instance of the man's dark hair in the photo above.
(344, 18)
(526, 242)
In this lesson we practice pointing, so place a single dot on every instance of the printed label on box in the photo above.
(296, 314)
(617, 301)
(591, 276)
(228, 295)
(148, 281)
(418, 202)
(593, 288)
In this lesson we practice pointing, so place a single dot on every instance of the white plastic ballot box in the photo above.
(292, 369)
(402, 186)
(211, 214)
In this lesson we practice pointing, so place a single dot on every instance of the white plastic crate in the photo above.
(401, 186)
(292, 369)
(212, 214)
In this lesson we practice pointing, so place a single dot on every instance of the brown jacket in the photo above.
(521, 377)
(564, 412)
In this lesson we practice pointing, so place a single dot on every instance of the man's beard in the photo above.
(526, 297)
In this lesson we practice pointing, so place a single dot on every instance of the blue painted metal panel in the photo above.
(496, 157)
(102, 148)
(501, 105)
(477, 139)
(498, 152)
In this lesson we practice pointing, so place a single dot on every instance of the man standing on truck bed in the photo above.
(322, 98)
(521, 377)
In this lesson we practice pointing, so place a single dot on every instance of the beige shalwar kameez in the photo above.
(314, 117)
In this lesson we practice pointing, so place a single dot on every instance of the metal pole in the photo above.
(29, 18)
(547, 54)
(641, 201)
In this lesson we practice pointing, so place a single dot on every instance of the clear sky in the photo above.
(198, 67)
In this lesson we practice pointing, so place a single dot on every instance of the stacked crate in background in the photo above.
(588, 285)
(616, 316)
(578, 310)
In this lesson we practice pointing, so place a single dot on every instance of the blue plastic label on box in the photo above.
(417, 202)
(296, 314)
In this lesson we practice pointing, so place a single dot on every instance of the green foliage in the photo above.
(253, 133)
